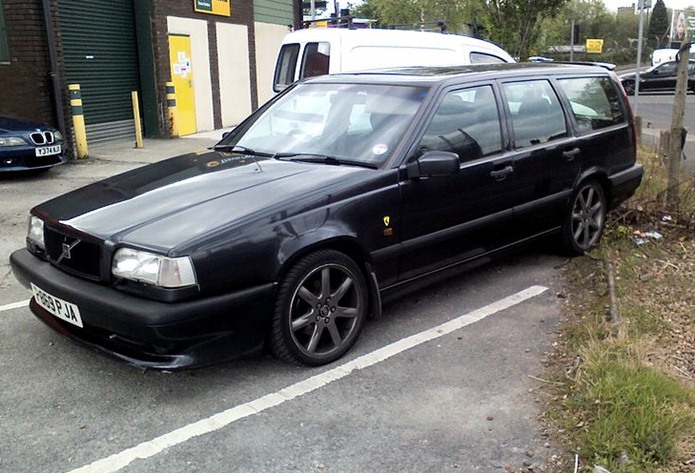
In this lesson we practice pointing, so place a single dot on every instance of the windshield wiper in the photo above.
(322, 158)
(243, 149)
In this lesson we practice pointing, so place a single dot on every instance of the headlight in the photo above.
(153, 269)
(58, 135)
(35, 232)
(12, 141)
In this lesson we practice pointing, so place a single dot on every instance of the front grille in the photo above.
(74, 255)
(42, 137)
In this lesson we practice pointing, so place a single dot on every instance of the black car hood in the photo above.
(165, 205)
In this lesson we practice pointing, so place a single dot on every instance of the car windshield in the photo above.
(352, 123)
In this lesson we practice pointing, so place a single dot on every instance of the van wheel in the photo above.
(320, 309)
(586, 219)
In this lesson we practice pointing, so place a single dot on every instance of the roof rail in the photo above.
(605, 65)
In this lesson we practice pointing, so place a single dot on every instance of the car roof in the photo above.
(434, 75)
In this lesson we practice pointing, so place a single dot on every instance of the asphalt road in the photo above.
(414, 395)
(656, 109)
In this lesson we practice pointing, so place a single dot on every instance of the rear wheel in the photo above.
(629, 87)
(320, 309)
(586, 219)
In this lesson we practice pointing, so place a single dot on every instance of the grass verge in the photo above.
(624, 371)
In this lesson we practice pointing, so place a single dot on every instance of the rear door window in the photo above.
(594, 102)
(316, 59)
(285, 67)
(537, 115)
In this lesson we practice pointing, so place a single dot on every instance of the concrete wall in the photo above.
(268, 41)
(234, 73)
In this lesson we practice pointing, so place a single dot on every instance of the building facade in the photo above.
(220, 54)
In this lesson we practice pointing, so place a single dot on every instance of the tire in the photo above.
(586, 218)
(629, 88)
(320, 308)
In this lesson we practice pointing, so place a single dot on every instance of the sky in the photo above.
(673, 4)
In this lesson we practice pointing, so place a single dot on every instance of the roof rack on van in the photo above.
(347, 21)
(343, 21)
(423, 26)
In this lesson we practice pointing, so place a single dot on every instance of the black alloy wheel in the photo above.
(586, 219)
(320, 309)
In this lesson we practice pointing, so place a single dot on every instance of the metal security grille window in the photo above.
(4, 45)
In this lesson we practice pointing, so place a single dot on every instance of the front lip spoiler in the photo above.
(115, 346)
(142, 359)
(152, 334)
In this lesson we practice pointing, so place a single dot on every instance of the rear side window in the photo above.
(316, 59)
(537, 115)
(285, 67)
(594, 102)
(484, 58)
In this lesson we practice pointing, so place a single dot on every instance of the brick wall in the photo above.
(25, 83)
(242, 13)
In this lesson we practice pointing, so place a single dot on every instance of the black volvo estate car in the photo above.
(334, 195)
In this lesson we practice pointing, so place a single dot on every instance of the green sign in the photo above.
(213, 7)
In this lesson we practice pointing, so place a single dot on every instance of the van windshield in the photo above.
(361, 123)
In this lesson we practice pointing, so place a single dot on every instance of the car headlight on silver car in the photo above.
(154, 269)
(35, 232)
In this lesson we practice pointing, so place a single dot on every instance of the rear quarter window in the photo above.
(594, 102)
(485, 58)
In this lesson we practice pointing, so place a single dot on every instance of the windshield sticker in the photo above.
(380, 149)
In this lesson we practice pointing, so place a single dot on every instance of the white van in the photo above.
(317, 51)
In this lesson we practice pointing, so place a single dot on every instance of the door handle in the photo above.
(501, 174)
(570, 154)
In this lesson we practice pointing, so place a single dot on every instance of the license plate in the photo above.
(48, 150)
(64, 310)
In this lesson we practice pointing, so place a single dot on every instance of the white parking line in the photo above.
(157, 445)
(14, 305)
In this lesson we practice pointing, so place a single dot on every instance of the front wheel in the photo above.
(586, 219)
(320, 309)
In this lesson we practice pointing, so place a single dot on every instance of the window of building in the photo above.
(4, 44)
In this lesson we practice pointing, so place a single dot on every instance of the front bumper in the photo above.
(147, 333)
(18, 158)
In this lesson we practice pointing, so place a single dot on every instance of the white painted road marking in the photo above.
(14, 305)
(216, 422)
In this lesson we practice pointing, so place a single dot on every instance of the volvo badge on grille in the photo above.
(65, 254)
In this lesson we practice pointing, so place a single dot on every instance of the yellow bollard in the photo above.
(78, 125)
(171, 106)
(136, 118)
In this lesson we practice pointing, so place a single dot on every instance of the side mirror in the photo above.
(225, 134)
(433, 163)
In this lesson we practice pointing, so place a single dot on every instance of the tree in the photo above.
(512, 23)
(400, 12)
(659, 24)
